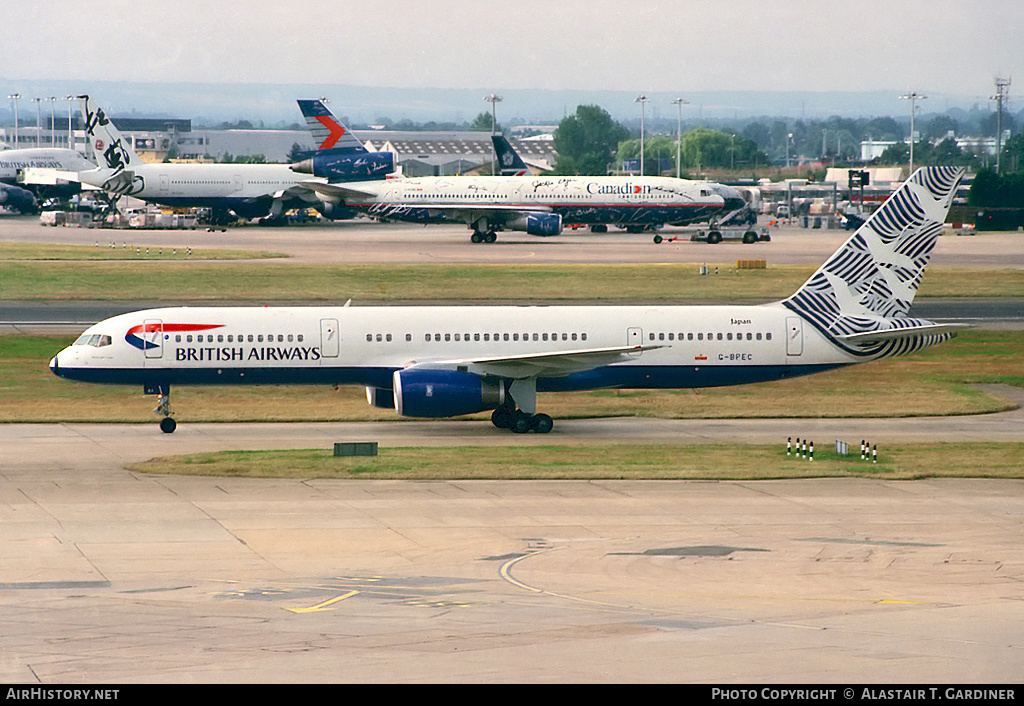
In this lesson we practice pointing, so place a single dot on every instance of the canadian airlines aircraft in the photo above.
(537, 205)
(443, 361)
(247, 190)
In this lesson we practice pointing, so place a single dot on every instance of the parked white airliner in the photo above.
(537, 205)
(441, 361)
(247, 190)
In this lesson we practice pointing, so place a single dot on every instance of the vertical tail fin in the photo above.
(113, 154)
(328, 132)
(509, 161)
(869, 283)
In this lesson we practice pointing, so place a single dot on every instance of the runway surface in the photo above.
(112, 576)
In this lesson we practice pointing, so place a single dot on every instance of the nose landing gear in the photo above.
(163, 407)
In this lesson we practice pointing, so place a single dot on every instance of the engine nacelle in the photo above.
(21, 200)
(345, 165)
(380, 398)
(543, 224)
(445, 393)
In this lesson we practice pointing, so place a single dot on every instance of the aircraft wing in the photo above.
(552, 364)
(337, 193)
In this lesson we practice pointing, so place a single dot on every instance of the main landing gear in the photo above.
(519, 422)
(485, 237)
(482, 231)
(519, 413)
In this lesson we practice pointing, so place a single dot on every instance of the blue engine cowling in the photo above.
(543, 224)
(346, 165)
(445, 393)
(18, 199)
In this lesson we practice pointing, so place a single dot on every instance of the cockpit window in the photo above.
(95, 340)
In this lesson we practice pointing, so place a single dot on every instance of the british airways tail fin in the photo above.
(327, 132)
(509, 161)
(860, 298)
(114, 156)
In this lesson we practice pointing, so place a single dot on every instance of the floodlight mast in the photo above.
(493, 100)
(679, 103)
(641, 99)
(913, 98)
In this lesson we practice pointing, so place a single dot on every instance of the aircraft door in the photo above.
(329, 338)
(635, 337)
(153, 338)
(794, 335)
(165, 184)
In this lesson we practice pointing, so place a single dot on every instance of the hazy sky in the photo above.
(948, 46)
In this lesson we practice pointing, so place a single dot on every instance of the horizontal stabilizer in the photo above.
(895, 334)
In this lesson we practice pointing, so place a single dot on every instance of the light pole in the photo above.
(1002, 88)
(39, 121)
(913, 98)
(493, 100)
(641, 99)
(53, 137)
(679, 103)
(14, 97)
(71, 133)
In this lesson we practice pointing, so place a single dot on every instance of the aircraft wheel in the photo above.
(490, 236)
(520, 424)
(658, 239)
(168, 425)
(501, 418)
(477, 237)
(541, 423)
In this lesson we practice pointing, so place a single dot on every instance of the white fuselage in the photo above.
(688, 346)
(15, 162)
(166, 183)
(578, 199)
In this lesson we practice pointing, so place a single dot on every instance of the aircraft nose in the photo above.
(733, 198)
(54, 366)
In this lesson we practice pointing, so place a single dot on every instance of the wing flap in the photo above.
(544, 364)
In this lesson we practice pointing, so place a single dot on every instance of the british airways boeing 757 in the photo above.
(443, 361)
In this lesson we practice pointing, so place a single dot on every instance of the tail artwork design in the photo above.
(113, 154)
(860, 298)
(510, 162)
(327, 132)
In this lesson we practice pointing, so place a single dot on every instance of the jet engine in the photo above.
(18, 199)
(445, 393)
(543, 224)
(346, 165)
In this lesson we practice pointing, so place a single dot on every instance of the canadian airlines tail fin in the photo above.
(860, 298)
(328, 133)
(509, 161)
(114, 156)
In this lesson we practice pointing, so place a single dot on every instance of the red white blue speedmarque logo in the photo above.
(139, 341)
